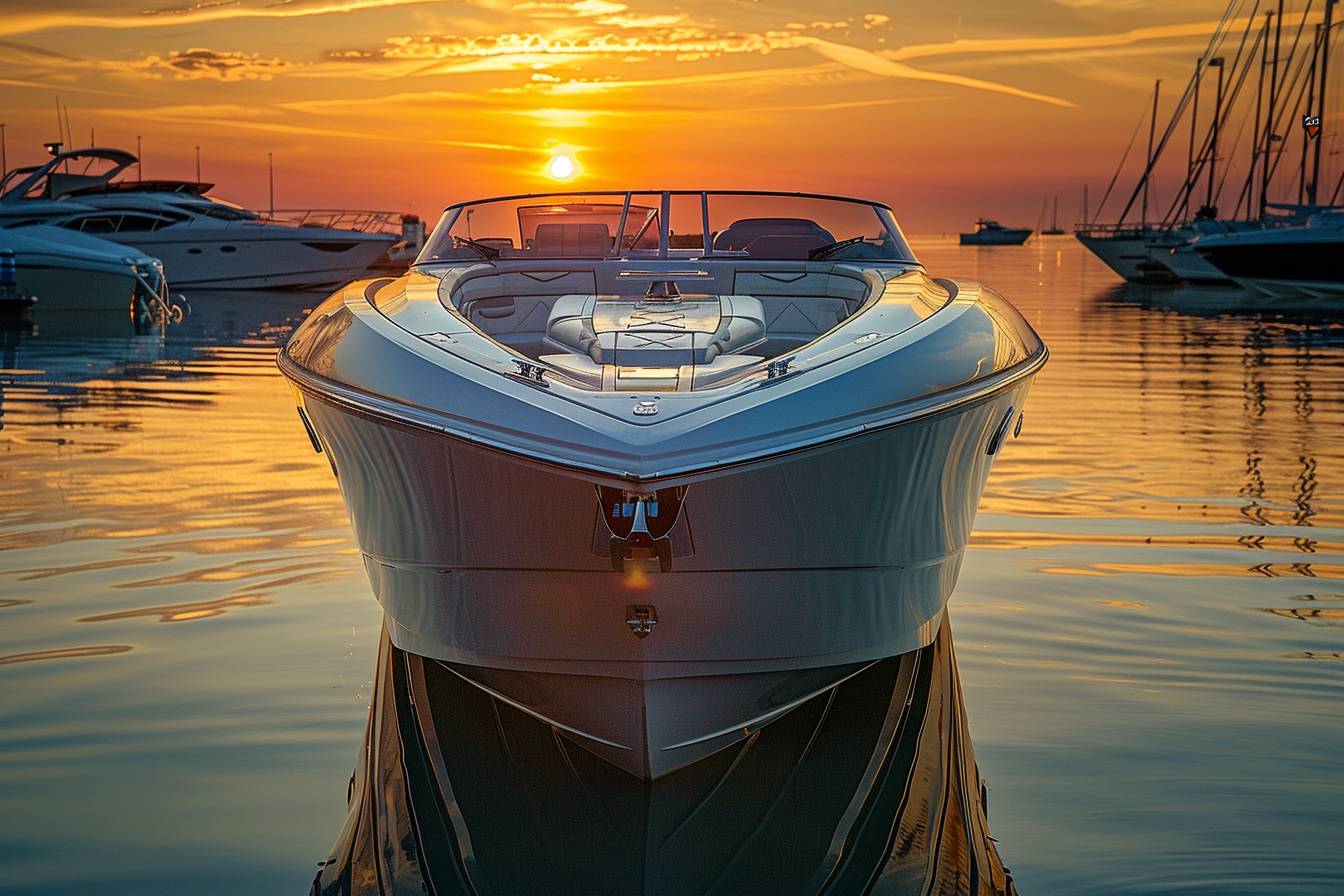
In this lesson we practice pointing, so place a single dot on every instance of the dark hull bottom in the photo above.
(868, 786)
(1284, 269)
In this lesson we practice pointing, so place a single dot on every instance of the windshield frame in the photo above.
(881, 211)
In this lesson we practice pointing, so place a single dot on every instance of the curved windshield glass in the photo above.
(678, 224)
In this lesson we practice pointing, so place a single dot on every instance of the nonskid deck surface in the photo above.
(869, 783)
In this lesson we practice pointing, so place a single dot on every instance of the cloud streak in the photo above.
(881, 66)
(27, 22)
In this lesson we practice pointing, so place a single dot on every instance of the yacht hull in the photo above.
(267, 257)
(59, 288)
(1001, 238)
(1282, 268)
(816, 561)
(1134, 257)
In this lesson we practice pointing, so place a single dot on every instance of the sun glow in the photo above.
(561, 167)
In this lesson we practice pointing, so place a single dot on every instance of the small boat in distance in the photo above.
(992, 233)
(656, 468)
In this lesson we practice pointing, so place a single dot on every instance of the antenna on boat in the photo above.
(198, 164)
(4, 154)
(270, 180)
(139, 161)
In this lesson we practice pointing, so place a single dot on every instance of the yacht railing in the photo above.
(361, 220)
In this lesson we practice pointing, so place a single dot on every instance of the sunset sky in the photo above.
(947, 111)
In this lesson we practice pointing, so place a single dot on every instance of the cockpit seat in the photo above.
(691, 329)
(739, 235)
(575, 240)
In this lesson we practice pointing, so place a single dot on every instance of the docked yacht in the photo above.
(1306, 260)
(67, 271)
(657, 467)
(992, 233)
(201, 240)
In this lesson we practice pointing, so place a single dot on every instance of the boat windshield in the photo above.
(673, 224)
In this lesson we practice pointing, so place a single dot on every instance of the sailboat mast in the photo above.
(1152, 135)
(1248, 189)
(1054, 214)
(1217, 126)
(1084, 204)
(1311, 104)
(1190, 156)
(1325, 71)
(1269, 137)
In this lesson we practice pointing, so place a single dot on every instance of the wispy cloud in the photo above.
(874, 64)
(28, 21)
(278, 121)
(1012, 45)
(221, 65)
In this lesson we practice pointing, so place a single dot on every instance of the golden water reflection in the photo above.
(1146, 613)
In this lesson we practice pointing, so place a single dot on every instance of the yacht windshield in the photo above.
(676, 224)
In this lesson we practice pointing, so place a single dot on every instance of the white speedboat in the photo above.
(1306, 260)
(203, 241)
(67, 271)
(657, 467)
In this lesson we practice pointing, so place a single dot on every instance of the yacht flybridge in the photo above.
(657, 467)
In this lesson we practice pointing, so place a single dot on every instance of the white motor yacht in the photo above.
(201, 240)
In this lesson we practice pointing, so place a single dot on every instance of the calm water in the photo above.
(1149, 622)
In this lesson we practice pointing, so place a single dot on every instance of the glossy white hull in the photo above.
(1132, 257)
(788, 573)
(253, 256)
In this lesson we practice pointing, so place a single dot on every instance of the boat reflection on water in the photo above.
(870, 786)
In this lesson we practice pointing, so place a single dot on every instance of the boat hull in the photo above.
(60, 288)
(997, 238)
(259, 257)
(1135, 257)
(816, 560)
(1282, 268)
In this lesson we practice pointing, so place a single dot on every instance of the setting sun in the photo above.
(561, 167)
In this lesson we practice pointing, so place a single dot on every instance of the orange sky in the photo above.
(964, 108)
